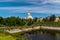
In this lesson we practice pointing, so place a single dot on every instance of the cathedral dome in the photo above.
(28, 16)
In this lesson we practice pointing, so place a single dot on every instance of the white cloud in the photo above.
(32, 9)
(40, 6)
(53, 1)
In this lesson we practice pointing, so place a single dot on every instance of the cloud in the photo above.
(31, 9)
(53, 1)
(39, 6)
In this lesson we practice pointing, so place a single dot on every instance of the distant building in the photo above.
(28, 16)
(40, 19)
(57, 19)
(48, 18)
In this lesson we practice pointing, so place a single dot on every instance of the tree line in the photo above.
(16, 21)
(50, 18)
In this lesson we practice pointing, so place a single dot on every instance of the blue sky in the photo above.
(38, 8)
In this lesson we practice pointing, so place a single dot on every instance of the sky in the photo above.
(37, 8)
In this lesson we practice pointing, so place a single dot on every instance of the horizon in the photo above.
(23, 15)
(37, 8)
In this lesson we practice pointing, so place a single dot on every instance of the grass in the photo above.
(17, 36)
(54, 24)
(6, 37)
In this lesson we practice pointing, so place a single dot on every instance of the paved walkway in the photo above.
(51, 28)
(34, 28)
(24, 29)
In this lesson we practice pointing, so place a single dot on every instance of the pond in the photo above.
(41, 36)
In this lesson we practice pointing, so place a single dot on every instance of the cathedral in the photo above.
(28, 16)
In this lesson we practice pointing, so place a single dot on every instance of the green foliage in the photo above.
(30, 22)
(35, 19)
(12, 21)
(16, 21)
(54, 24)
(52, 18)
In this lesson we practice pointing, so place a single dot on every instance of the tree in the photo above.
(1, 20)
(30, 22)
(35, 19)
(52, 18)
(44, 19)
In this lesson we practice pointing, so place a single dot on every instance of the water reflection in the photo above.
(40, 36)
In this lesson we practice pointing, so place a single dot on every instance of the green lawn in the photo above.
(6, 37)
